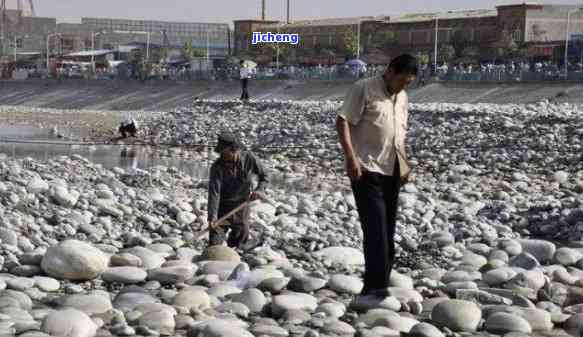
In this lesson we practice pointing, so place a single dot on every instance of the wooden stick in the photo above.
(221, 221)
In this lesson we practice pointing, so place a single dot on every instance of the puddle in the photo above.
(109, 156)
(21, 132)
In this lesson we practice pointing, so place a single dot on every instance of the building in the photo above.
(510, 31)
(242, 33)
(24, 34)
(215, 36)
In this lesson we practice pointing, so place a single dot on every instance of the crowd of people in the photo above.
(516, 70)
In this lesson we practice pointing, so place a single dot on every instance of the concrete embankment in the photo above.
(163, 95)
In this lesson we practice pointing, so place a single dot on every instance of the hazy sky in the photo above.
(228, 10)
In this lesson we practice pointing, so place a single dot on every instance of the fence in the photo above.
(505, 76)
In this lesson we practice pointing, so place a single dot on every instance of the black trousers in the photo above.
(377, 199)
(238, 223)
(245, 92)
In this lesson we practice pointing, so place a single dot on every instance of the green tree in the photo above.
(446, 53)
(350, 43)
(189, 52)
(382, 39)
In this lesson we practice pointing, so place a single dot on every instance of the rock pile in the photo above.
(489, 241)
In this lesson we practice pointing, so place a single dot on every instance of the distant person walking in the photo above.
(371, 126)
(244, 74)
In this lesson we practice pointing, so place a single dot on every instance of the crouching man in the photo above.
(129, 127)
(230, 185)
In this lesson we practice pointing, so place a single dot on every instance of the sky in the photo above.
(226, 11)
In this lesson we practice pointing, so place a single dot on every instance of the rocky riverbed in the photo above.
(489, 236)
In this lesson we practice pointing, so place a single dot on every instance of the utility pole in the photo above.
(435, 47)
(263, 10)
(287, 19)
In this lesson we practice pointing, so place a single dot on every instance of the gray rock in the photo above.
(291, 301)
(425, 330)
(567, 256)
(306, 284)
(345, 284)
(47, 284)
(457, 315)
(345, 256)
(543, 251)
(161, 321)
(338, 328)
(172, 275)
(74, 260)
(274, 284)
(69, 323)
(221, 253)
(125, 275)
(269, 331)
(150, 259)
(130, 300)
(525, 261)
(94, 304)
(125, 260)
(368, 302)
(252, 298)
(501, 323)
(192, 299)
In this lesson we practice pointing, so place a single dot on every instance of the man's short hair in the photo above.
(404, 64)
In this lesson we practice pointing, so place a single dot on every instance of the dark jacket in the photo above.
(226, 189)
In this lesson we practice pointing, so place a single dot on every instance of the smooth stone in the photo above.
(501, 323)
(74, 260)
(425, 330)
(125, 260)
(345, 284)
(567, 256)
(221, 268)
(130, 300)
(252, 298)
(306, 284)
(499, 276)
(125, 275)
(274, 284)
(223, 290)
(525, 261)
(457, 315)
(269, 331)
(338, 328)
(161, 321)
(69, 323)
(543, 251)
(149, 258)
(370, 302)
(290, 301)
(238, 309)
(335, 310)
(172, 275)
(398, 280)
(89, 304)
(221, 253)
(192, 299)
(345, 256)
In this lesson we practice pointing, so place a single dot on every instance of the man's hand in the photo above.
(353, 168)
(409, 178)
(254, 196)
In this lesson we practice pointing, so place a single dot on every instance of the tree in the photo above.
(383, 39)
(471, 52)
(189, 52)
(446, 53)
(350, 43)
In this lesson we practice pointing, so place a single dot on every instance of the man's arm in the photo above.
(258, 169)
(214, 195)
(351, 112)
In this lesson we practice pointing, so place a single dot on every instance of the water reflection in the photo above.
(110, 156)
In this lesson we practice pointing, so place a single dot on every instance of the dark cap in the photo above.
(227, 139)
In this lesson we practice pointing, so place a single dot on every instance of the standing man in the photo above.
(244, 74)
(371, 126)
(230, 185)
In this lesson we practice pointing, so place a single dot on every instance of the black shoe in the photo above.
(382, 292)
(251, 244)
